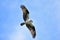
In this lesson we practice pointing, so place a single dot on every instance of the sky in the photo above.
(44, 13)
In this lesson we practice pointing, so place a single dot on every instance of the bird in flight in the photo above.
(28, 21)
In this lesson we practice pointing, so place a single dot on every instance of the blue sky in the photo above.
(44, 13)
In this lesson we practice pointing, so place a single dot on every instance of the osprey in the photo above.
(27, 21)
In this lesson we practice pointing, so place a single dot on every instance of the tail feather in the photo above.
(22, 24)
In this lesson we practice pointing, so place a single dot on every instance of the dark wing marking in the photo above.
(25, 13)
(31, 27)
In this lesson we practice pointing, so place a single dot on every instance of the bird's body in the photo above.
(27, 21)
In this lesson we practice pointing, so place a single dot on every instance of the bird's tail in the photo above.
(22, 24)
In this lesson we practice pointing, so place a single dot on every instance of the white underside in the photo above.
(28, 20)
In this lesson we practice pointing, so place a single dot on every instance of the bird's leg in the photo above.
(22, 23)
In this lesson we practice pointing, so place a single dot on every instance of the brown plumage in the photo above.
(27, 21)
(25, 13)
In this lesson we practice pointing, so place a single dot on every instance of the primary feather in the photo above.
(25, 13)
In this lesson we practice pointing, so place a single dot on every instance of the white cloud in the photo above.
(17, 35)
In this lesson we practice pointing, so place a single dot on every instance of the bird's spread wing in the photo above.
(28, 23)
(31, 27)
(25, 12)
